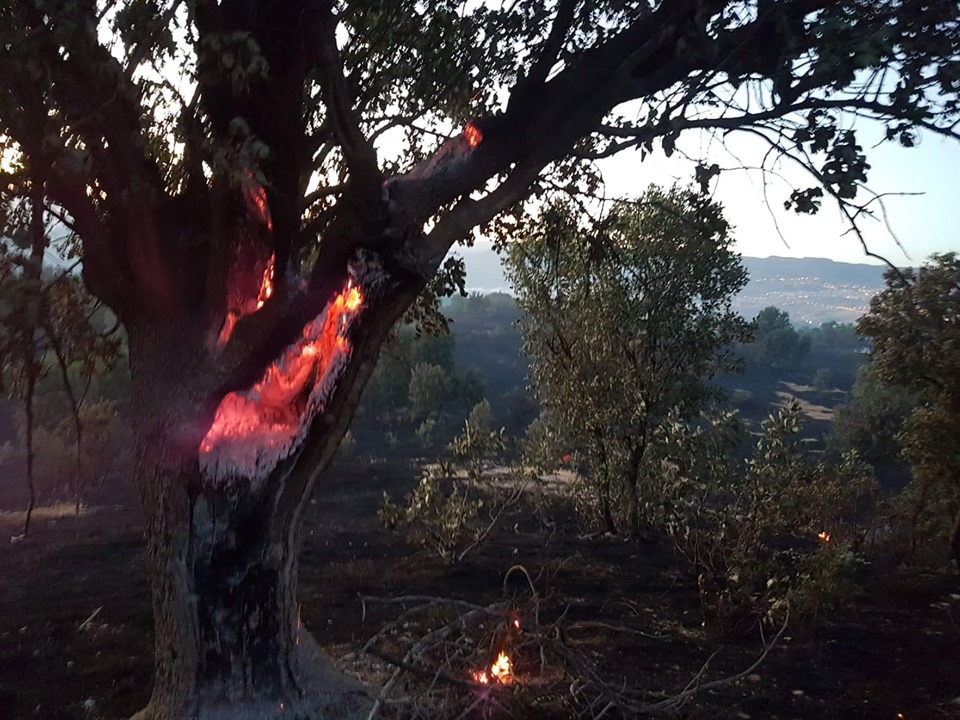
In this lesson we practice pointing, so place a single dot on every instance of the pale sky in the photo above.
(925, 224)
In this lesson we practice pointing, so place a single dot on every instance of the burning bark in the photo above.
(242, 302)
(255, 196)
(449, 155)
(253, 262)
(255, 429)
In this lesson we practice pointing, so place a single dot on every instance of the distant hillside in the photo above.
(812, 290)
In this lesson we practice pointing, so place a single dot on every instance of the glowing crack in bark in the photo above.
(248, 264)
(473, 135)
(450, 154)
(242, 307)
(255, 429)
(255, 196)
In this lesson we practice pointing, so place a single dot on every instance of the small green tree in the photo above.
(776, 342)
(625, 320)
(50, 339)
(434, 349)
(822, 380)
(468, 388)
(389, 386)
(429, 389)
(426, 431)
(915, 327)
(868, 424)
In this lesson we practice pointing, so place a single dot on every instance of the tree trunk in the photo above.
(633, 498)
(633, 508)
(955, 539)
(223, 562)
(605, 510)
(28, 411)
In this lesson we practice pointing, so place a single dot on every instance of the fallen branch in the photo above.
(449, 657)
(86, 623)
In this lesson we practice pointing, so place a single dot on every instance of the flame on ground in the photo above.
(473, 134)
(824, 536)
(501, 671)
(270, 413)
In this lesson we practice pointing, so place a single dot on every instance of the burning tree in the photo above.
(251, 186)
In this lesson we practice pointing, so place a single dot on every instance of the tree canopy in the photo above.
(915, 327)
(626, 321)
(776, 342)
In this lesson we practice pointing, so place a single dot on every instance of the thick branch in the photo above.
(359, 153)
(553, 44)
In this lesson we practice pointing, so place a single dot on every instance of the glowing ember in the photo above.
(824, 536)
(255, 195)
(473, 134)
(248, 306)
(261, 425)
(501, 671)
(299, 624)
(266, 284)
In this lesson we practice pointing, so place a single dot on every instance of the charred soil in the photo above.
(75, 624)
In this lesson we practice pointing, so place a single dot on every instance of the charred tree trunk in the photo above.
(955, 539)
(633, 507)
(633, 498)
(606, 511)
(223, 563)
(28, 407)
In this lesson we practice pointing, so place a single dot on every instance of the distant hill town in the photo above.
(812, 290)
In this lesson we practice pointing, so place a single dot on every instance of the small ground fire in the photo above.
(501, 671)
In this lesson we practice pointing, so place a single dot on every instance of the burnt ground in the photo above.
(896, 649)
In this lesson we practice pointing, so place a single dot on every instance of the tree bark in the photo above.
(28, 408)
(606, 511)
(223, 563)
(955, 539)
(633, 498)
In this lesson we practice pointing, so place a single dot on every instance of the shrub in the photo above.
(426, 431)
(443, 513)
(780, 529)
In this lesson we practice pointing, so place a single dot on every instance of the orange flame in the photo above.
(473, 134)
(501, 671)
(502, 668)
(271, 412)
(824, 536)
